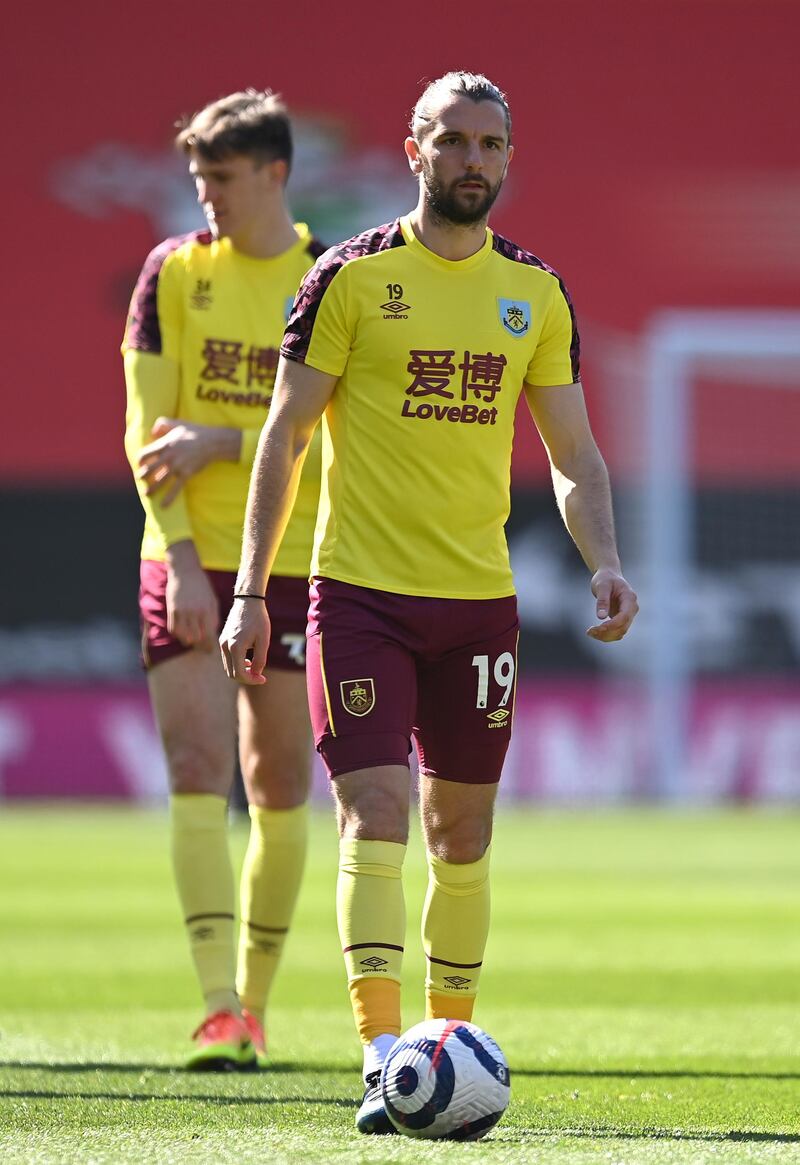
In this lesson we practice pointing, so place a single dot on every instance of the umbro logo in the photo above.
(457, 981)
(374, 962)
(395, 308)
(498, 719)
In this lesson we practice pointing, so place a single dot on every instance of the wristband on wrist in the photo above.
(262, 597)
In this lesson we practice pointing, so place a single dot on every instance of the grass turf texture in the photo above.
(642, 978)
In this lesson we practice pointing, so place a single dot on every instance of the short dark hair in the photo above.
(460, 84)
(254, 122)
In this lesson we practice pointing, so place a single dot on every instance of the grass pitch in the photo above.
(642, 977)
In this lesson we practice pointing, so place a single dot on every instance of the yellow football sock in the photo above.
(372, 927)
(271, 876)
(455, 926)
(204, 878)
(376, 1007)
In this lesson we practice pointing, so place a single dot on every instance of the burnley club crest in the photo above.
(358, 696)
(515, 315)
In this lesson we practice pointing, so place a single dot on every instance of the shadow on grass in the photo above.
(659, 1134)
(78, 1066)
(295, 1067)
(734, 1136)
(227, 1101)
(650, 1074)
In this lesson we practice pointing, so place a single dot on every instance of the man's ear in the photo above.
(278, 170)
(411, 147)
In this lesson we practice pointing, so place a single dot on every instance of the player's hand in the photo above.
(178, 451)
(192, 609)
(616, 606)
(244, 641)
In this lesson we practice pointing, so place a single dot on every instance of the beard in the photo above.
(449, 204)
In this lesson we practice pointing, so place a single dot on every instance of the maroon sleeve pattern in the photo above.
(300, 325)
(517, 254)
(143, 330)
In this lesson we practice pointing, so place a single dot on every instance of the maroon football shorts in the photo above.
(384, 667)
(287, 603)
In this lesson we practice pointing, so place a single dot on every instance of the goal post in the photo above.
(679, 345)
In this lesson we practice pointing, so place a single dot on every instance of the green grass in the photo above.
(643, 978)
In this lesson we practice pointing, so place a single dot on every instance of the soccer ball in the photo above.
(445, 1078)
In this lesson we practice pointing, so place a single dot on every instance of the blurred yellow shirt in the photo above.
(431, 357)
(202, 344)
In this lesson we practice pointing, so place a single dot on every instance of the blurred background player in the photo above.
(416, 339)
(200, 351)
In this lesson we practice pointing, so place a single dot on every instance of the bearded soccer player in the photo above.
(415, 340)
(201, 350)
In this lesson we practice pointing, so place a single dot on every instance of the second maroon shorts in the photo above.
(384, 667)
(287, 603)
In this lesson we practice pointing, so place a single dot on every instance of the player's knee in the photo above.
(459, 842)
(197, 767)
(267, 789)
(371, 812)
(277, 780)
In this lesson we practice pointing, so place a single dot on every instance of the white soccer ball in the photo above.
(445, 1078)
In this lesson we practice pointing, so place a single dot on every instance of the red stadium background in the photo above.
(656, 166)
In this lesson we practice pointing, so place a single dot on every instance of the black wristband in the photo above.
(262, 597)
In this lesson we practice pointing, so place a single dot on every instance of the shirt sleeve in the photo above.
(154, 316)
(319, 331)
(556, 359)
(152, 384)
(151, 353)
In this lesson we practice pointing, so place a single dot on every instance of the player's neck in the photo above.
(453, 241)
(271, 235)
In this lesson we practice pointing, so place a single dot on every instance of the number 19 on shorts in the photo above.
(503, 670)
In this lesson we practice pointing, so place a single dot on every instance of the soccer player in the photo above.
(416, 339)
(200, 351)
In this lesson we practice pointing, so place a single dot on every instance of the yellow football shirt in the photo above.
(214, 318)
(431, 357)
